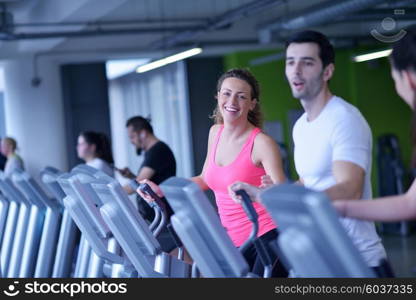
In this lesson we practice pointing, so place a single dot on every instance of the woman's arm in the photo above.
(387, 209)
(199, 180)
(267, 154)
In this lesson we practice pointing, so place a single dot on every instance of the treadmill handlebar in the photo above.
(134, 184)
(260, 247)
(174, 236)
(248, 206)
(145, 188)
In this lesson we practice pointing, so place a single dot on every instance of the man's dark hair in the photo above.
(326, 50)
(139, 123)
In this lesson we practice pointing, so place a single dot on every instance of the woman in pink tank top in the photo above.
(239, 151)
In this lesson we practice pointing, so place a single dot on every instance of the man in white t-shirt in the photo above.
(332, 139)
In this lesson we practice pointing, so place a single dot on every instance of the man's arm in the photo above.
(145, 173)
(126, 173)
(349, 181)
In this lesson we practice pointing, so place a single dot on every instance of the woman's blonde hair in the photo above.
(255, 115)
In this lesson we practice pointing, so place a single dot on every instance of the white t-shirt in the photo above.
(14, 162)
(101, 165)
(339, 133)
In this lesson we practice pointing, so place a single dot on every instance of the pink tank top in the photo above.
(218, 178)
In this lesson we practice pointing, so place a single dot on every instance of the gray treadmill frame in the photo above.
(311, 237)
(199, 227)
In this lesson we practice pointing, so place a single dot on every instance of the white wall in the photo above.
(34, 115)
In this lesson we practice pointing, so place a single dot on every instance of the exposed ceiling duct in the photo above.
(224, 20)
(317, 15)
(378, 15)
(187, 30)
(11, 36)
(7, 28)
(182, 33)
(153, 26)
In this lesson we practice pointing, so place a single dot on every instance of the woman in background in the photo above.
(95, 149)
(14, 161)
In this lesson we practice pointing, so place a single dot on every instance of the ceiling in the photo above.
(109, 29)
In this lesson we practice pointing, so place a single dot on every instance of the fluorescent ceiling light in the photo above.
(373, 55)
(168, 60)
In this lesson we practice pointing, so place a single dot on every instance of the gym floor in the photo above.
(401, 252)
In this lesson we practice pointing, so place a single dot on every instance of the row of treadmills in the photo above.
(91, 229)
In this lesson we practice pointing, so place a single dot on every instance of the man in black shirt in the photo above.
(3, 160)
(159, 159)
(158, 165)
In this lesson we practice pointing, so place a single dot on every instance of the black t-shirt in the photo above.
(161, 159)
(3, 160)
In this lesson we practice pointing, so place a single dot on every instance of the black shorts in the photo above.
(269, 240)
